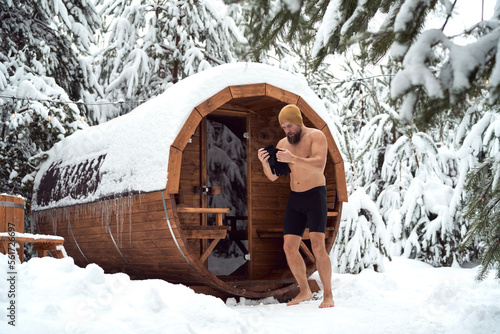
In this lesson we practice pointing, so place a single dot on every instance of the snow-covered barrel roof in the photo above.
(130, 153)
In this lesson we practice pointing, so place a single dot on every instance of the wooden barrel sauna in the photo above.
(174, 190)
(12, 219)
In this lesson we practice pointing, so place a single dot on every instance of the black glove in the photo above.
(277, 167)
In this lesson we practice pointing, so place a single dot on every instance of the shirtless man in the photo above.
(304, 149)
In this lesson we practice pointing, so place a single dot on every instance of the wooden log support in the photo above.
(209, 250)
(263, 285)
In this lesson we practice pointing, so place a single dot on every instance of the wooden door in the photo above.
(224, 174)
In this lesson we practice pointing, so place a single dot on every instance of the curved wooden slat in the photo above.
(248, 90)
(318, 122)
(214, 102)
(341, 182)
(332, 146)
(281, 94)
(174, 170)
(187, 130)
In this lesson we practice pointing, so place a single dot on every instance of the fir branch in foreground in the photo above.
(483, 212)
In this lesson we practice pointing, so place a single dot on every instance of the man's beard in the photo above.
(295, 138)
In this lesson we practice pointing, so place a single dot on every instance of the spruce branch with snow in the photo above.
(272, 26)
(483, 211)
(438, 73)
(479, 185)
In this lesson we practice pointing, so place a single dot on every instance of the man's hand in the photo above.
(263, 155)
(285, 155)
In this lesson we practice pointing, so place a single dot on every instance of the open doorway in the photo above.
(226, 167)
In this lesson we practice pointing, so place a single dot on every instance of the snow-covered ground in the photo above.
(55, 296)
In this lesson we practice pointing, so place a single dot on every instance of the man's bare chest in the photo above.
(302, 149)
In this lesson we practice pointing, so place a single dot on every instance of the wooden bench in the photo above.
(217, 211)
(277, 232)
(206, 232)
(42, 244)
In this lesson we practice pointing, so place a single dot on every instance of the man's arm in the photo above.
(264, 157)
(316, 161)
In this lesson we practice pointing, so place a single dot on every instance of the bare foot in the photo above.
(327, 302)
(301, 297)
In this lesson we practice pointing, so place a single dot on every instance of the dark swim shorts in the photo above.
(305, 208)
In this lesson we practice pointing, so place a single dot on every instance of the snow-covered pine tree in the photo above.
(148, 45)
(367, 128)
(477, 190)
(43, 66)
(422, 227)
(422, 186)
(374, 125)
(361, 241)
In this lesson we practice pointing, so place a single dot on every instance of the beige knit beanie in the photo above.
(290, 113)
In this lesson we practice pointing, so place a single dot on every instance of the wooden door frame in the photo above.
(203, 166)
